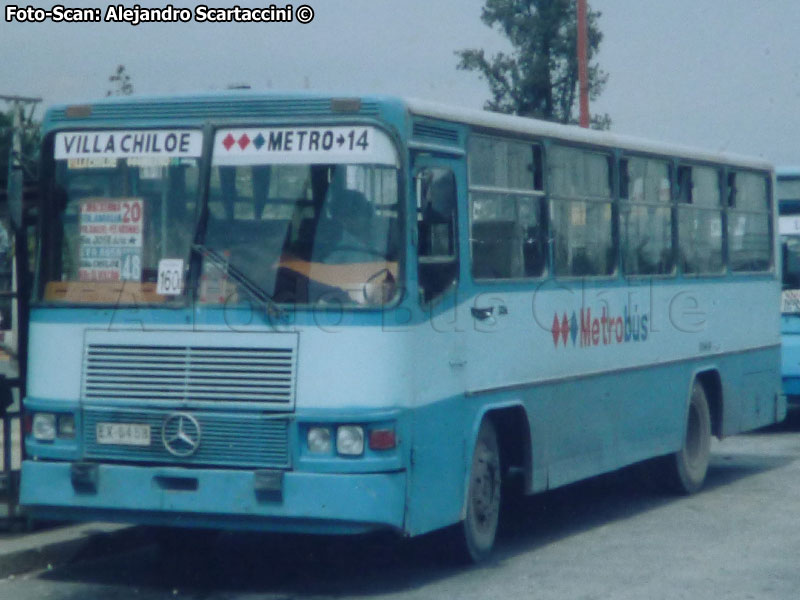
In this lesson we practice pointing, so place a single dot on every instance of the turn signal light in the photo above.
(66, 426)
(382, 439)
(27, 423)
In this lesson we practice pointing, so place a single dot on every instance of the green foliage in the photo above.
(5, 146)
(540, 76)
(121, 81)
(31, 136)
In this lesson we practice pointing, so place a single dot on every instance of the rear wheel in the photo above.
(477, 531)
(686, 469)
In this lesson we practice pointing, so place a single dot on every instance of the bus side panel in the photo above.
(435, 491)
(598, 424)
(790, 358)
(751, 388)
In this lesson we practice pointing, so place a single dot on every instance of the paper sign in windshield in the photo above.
(163, 143)
(111, 240)
(303, 145)
(789, 225)
(170, 277)
(790, 301)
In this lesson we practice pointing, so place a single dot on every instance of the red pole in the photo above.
(583, 73)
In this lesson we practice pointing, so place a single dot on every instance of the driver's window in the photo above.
(437, 232)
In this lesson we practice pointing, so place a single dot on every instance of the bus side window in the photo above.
(700, 220)
(506, 184)
(749, 231)
(437, 232)
(646, 216)
(581, 212)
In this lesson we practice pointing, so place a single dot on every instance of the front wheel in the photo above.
(477, 531)
(688, 466)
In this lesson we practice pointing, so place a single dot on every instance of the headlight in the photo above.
(350, 440)
(44, 427)
(319, 440)
(66, 426)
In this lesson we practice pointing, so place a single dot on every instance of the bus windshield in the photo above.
(121, 204)
(791, 262)
(788, 190)
(291, 226)
(304, 225)
(790, 253)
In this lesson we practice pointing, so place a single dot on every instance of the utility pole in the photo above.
(583, 72)
(15, 172)
(16, 293)
(14, 212)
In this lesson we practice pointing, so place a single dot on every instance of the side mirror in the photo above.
(380, 288)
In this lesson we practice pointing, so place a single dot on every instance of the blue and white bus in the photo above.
(788, 196)
(306, 313)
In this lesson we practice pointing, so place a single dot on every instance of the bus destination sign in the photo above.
(164, 143)
(303, 145)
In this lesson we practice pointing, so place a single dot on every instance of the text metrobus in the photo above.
(335, 315)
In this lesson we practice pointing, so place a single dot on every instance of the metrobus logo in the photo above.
(585, 329)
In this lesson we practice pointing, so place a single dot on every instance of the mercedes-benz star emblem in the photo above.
(180, 434)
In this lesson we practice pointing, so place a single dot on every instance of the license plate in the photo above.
(123, 434)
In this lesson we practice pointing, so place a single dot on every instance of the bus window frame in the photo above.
(403, 191)
(422, 161)
(611, 154)
(538, 195)
(771, 212)
(720, 169)
(671, 204)
(48, 213)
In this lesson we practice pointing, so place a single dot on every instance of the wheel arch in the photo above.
(711, 381)
(510, 420)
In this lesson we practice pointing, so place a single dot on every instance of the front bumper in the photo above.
(333, 503)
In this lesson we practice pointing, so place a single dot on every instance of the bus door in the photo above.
(438, 182)
(438, 190)
(790, 306)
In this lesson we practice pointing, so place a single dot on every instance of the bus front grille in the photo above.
(225, 439)
(188, 373)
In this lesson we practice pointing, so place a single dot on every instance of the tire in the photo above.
(686, 469)
(476, 533)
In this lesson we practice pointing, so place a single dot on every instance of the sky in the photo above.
(720, 75)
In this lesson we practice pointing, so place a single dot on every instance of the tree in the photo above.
(540, 77)
(30, 147)
(122, 82)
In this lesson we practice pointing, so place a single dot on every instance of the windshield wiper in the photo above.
(252, 288)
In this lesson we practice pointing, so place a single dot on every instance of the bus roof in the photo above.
(245, 103)
(787, 172)
(572, 133)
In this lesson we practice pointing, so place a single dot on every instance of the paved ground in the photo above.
(607, 538)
